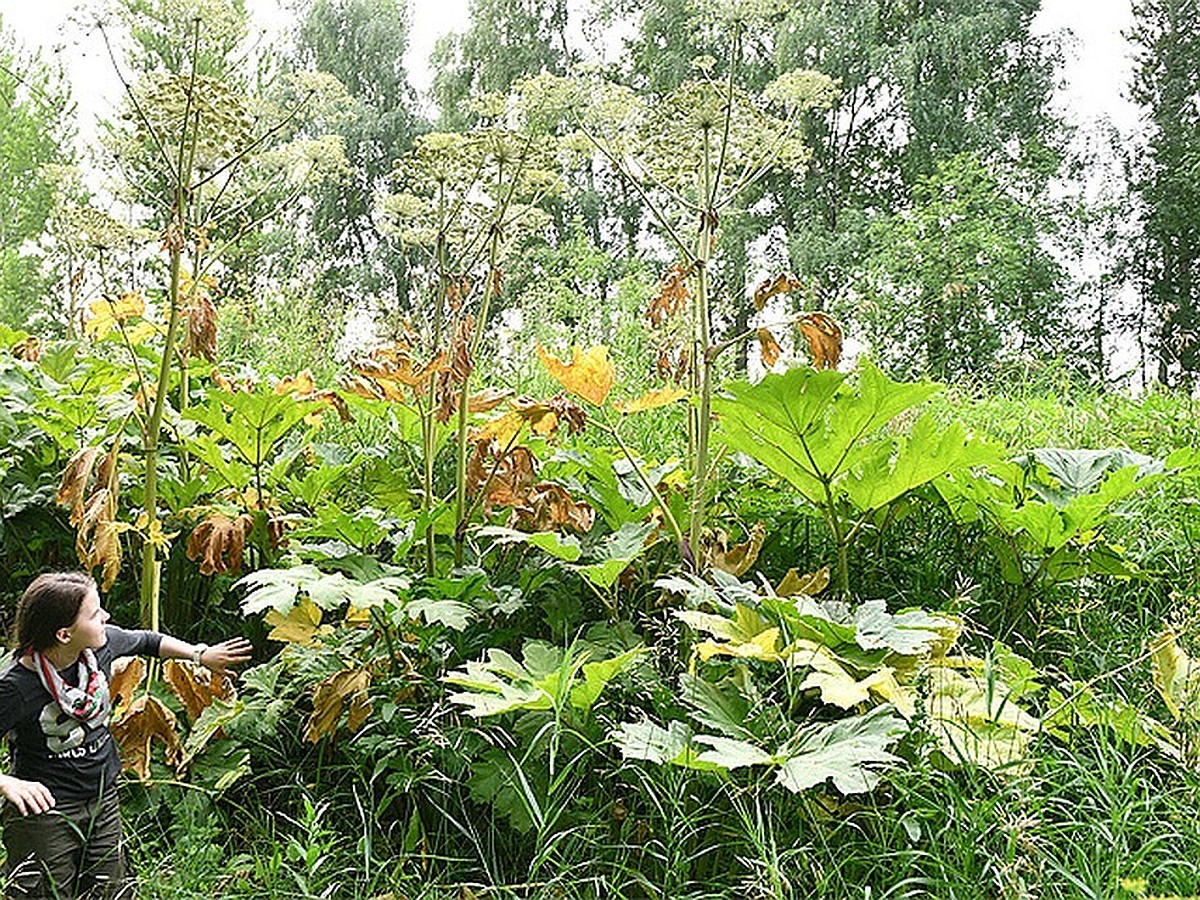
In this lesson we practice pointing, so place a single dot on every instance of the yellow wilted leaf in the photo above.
(128, 673)
(106, 313)
(651, 400)
(301, 384)
(975, 721)
(357, 616)
(810, 584)
(590, 375)
(824, 339)
(302, 624)
(142, 331)
(145, 721)
(196, 687)
(837, 686)
(331, 696)
(764, 646)
(1176, 675)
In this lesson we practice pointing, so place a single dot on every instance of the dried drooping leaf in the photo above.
(539, 415)
(487, 399)
(497, 281)
(810, 584)
(145, 721)
(75, 480)
(651, 400)
(303, 387)
(738, 559)
(128, 673)
(780, 284)
(242, 385)
(93, 503)
(457, 292)
(301, 384)
(769, 347)
(566, 411)
(107, 313)
(202, 328)
(672, 295)
(395, 365)
(219, 542)
(329, 698)
(590, 375)
(824, 339)
(673, 367)
(451, 379)
(196, 687)
(548, 507)
(506, 477)
(29, 350)
(302, 624)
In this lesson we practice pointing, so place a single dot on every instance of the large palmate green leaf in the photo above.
(546, 678)
(812, 427)
(1080, 471)
(253, 422)
(911, 632)
(278, 589)
(1047, 518)
(890, 469)
(852, 753)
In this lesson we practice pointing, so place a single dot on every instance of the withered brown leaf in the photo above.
(329, 698)
(769, 347)
(780, 284)
(196, 687)
(738, 559)
(219, 542)
(672, 295)
(146, 721)
(824, 339)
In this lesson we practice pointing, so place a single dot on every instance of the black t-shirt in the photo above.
(76, 761)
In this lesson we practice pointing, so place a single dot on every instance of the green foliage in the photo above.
(825, 435)
(34, 140)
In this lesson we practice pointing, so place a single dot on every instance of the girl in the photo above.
(62, 829)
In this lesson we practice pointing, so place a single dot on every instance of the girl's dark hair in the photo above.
(51, 602)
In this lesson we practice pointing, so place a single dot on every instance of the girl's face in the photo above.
(87, 631)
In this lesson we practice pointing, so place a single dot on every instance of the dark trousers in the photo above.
(74, 850)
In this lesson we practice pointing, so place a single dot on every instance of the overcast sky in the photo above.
(1097, 70)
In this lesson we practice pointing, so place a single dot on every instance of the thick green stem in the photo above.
(702, 361)
(464, 397)
(150, 584)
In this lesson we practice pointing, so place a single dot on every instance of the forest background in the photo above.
(759, 461)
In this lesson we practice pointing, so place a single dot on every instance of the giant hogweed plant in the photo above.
(691, 157)
(836, 439)
(465, 201)
(1043, 513)
(192, 139)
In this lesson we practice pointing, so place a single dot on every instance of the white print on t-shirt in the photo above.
(63, 733)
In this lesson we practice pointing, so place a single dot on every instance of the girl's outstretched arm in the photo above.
(219, 657)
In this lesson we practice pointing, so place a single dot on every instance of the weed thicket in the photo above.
(391, 812)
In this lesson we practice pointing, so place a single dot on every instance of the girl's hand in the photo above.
(30, 797)
(233, 652)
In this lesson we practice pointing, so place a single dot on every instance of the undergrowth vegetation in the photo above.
(650, 627)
